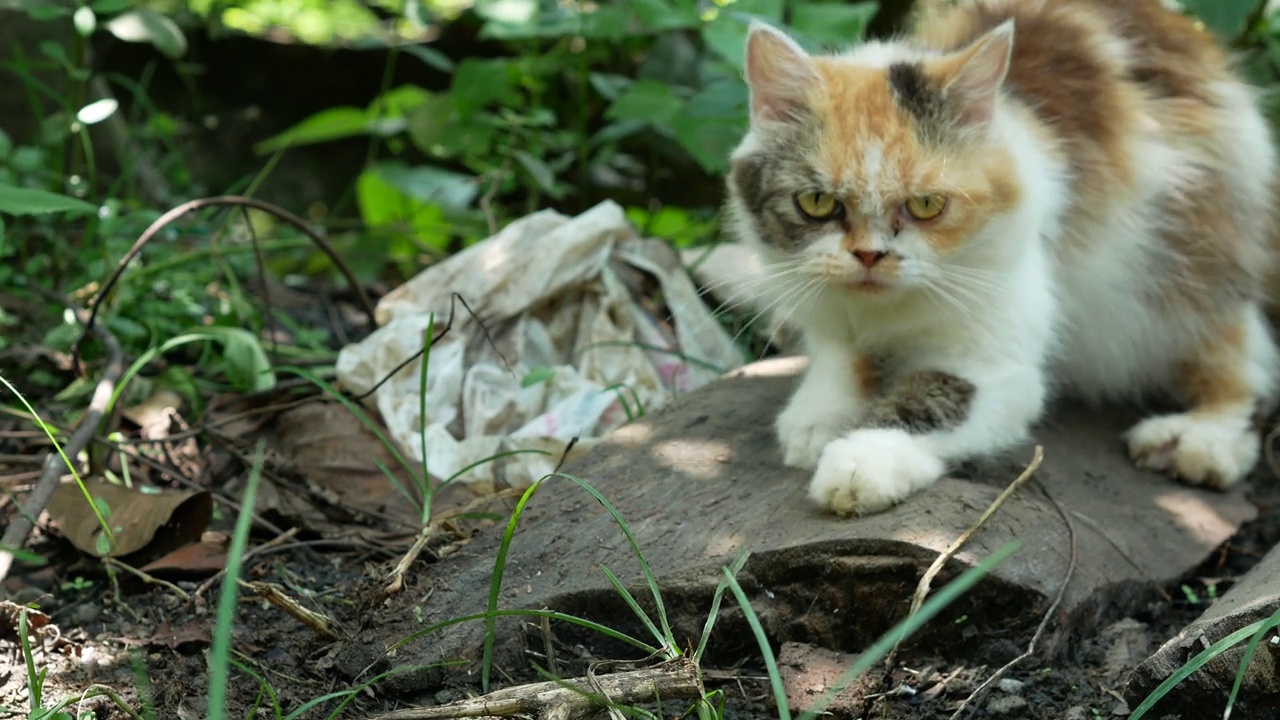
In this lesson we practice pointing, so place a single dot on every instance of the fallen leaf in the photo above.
(203, 557)
(154, 414)
(156, 521)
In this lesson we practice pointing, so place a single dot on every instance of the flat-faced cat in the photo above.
(1021, 198)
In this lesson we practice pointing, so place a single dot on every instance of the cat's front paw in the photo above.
(871, 470)
(1213, 451)
(803, 434)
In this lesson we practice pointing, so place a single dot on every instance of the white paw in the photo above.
(871, 470)
(803, 434)
(1214, 451)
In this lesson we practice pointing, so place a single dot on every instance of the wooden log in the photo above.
(1204, 693)
(701, 480)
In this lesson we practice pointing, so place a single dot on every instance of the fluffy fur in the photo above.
(1106, 185)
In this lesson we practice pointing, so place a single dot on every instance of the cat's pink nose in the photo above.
(869, 258)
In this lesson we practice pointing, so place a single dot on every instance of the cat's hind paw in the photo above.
(1215, 451)
(871, 470)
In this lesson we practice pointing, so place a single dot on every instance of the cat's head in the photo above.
(874, 170)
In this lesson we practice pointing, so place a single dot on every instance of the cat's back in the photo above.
(1104, 75)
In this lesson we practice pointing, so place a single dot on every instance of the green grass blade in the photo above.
(495, 585)
(770, 662)
(491, 458)
(1267, 625)
(635, 549)
(734, 569)
(1192, 665)
(635, 606)
(909, 625)
(220, 648)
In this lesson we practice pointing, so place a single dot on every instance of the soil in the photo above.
(147, 641)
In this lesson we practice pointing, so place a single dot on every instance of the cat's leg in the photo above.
(830, 398)
(1215, 442)
(925, 420)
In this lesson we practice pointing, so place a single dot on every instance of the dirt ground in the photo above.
(146, 640)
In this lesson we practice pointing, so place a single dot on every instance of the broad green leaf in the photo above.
(382, 204)
(430, 124)
(1227, 18)
(146, 25)
(399, 101)
(712, 123)
(244, 360)
(476, 83)
(429, 184)
(30, 201)
(647, 100)
(541, 173)
(46, 11)
(657, 15)
(331, 124)
(96, 112)
(727, 37)
(832, 24)
(109, 7)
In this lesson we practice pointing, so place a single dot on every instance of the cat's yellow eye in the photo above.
(818, 205)
(926, 207)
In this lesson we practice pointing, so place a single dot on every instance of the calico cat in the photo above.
(1021, 199)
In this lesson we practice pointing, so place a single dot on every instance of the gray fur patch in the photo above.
(922, 402)
(920, 97)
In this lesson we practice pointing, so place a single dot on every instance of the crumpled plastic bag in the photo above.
(589, 325)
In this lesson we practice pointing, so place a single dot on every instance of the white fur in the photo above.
(1054, 311)
(871, 470)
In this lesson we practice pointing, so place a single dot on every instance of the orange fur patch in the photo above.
(1217, 379)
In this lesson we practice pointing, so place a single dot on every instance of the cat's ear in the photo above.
(975, 74)
(779, 74)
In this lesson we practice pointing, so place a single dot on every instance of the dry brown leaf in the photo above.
(199, 558)
(154, 414)
(156, 521)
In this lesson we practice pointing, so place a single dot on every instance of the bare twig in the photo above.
(146, 577)
(926, 580)
(227, 201)
(278, 540)
(566, 699)
(396, 577)
(15, 536)
(320, 624)
(1044, 621)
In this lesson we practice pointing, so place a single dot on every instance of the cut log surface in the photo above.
(1204, 694)
(701, 480)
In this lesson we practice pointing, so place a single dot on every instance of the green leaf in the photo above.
(110, 7)
(6, 145)
(96, 112)
(432, 125)
(712, 123)
(145, 25)
(30, 201)
(662, 15)
(541, 173)
(537, 375)
(647, 100)
(832, 23)
(382, 204)
(331, 124)
(476, 83)
(244, 360)
(1227, 18)
(429, 184)
(399, 101)
(432, 57)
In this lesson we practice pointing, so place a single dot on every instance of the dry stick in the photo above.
(926, 580)
(15, 536)
(565, 699)
(227, 201)
(1044, 622)
(278, 540)
(396, 577)
(145, 577)
(319, 623)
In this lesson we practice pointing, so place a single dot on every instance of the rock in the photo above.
(1006, 704)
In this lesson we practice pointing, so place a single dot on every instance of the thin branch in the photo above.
(226, 201)
(1044, 621)
(15, 536)
(926, 580)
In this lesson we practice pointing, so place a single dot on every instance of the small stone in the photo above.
(1076, 712)
(1007, 705)
(1011, 686)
